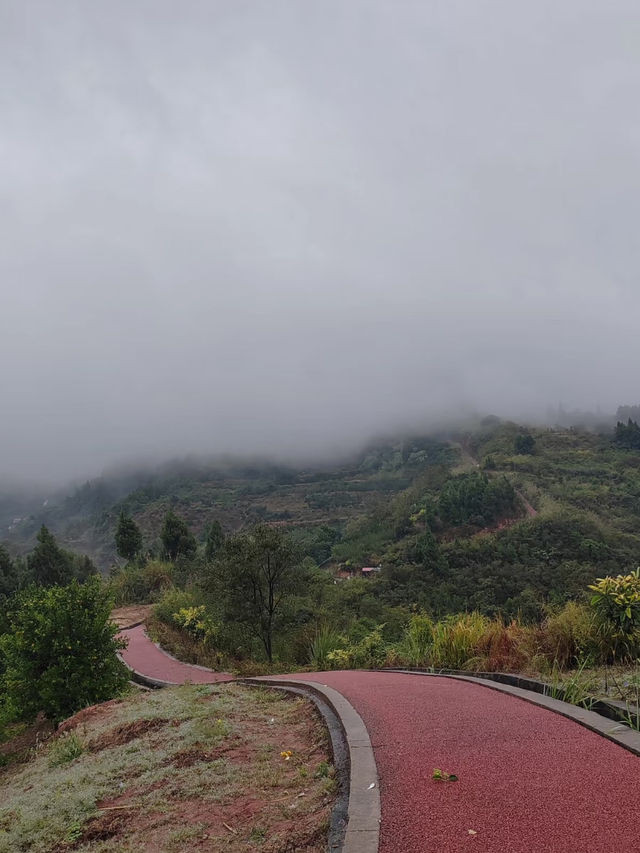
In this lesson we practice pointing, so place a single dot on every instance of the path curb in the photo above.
(156, 683)
(362, 832)
(618, 733)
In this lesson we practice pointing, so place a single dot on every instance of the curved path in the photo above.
(146, 659)
(530, 781)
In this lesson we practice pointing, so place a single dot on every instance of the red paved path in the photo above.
(530, 780)
(145, 657)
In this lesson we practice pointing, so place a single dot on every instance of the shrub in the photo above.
(65, 749)
(171, 602)
(616, 600)
(60, 652)
(196, 622)
(339, 659)
(128, 585)
(370, 652)
(139, 583)
(157, 577)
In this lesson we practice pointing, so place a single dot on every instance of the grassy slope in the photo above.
(195, 767)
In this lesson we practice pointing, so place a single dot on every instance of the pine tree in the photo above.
(128, 538)
(177, 539)
(8, 573)
(48, 564)
(214, 541)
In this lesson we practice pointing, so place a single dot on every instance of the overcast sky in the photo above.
(282, 226)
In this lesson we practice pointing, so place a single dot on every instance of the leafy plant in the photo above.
(60, 652)
(616, 600)
(456, 640)
(325, 641)
(417, 640)
(577, 688)
(65, 749)
(441, 776)
(196, 622)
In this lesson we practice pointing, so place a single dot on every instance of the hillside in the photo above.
(236, 493)
(457, 521)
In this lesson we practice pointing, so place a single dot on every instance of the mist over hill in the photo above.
(234, 229)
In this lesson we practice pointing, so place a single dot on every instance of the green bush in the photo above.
(60, 652)
(171, 602)
(196, 622)
(616, 600)
(369, 653)
(65, 749)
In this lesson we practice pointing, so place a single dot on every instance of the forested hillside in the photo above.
(498, 518)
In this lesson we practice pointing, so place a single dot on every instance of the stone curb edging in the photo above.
(156, 683)
(620, 734)
(146, 680)
(617, 711)
(133, 625)
(362, 832)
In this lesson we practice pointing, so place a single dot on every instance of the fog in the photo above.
(282, 227)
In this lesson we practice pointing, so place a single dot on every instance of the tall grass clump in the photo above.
(325, 641)
(456, 640)
(417, 641)
(569, 636)
(503, 647)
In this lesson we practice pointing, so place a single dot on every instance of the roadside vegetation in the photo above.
(481, 546)
(221, 768)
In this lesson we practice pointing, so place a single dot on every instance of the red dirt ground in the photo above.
(530, 781)
(145, 657)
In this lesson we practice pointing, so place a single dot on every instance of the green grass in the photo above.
(134, 751)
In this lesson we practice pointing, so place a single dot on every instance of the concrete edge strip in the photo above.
(146, 680)
(619, 734)
(129, 627)
(169, 655)
(362, 832)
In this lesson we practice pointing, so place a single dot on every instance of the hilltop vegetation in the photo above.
(236, 493)
(500, 519)
(480, 546)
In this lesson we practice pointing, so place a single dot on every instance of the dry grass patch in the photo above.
(131, 614)
(199, 767)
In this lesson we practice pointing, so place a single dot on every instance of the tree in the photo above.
(60, 650)
(627, 435)
(48, 564)
(8, 573)
(177, 539)
(524, 444)
(258, 573)
(128, 538)
(214, 540)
